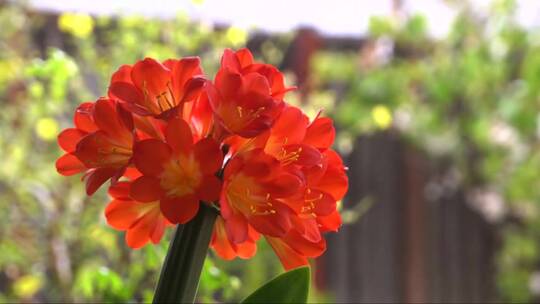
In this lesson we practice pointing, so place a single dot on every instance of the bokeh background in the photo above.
(436, 104)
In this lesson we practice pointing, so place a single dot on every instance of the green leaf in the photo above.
(290, 287)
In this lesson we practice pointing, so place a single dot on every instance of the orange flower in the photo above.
(178, 173)
(289, 140)
(153, 88)
(331, 183)
(200, 117)
(242, 62)
(295, 148)
(110, 146)
(226, 249)
(293, 250)
(68, 164)
(246, 97)
(159, 136)
(143, 222)
(255, 189)
(100, 144)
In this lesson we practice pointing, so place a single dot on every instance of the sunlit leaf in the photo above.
(290, 287)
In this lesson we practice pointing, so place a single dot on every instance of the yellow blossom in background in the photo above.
(382, 117)
(27, 286)
(47, 129)
(76, 24)
(9, 69)
(236, 36)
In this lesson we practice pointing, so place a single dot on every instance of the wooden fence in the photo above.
(408, 246)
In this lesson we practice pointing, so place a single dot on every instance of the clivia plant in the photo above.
(224, 161)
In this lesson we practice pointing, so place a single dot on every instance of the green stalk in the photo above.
(181, 271)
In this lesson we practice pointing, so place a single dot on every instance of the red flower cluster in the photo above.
(159, 138)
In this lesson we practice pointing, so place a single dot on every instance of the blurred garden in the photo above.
(467, 103)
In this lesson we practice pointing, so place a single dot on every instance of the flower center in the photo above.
(310, 199)
(111, 152)
(249, 114)
(164, 100)
(240, 117)
(289, 157)
(245, 195)
(181, 176)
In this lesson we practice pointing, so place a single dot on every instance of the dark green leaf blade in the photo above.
(290, 287)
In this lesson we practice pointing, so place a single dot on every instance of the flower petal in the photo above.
(289, 128)
(229, 60)
(210, 188)
(289, 258)
(303, 245)
(139, 234)
(83, 118)
(324, 203)
(131, 173)
(97, 177)
(150, 75)
(320, 133)
(220, 242)
(256, 126)
(178, 135)
(100, 150)
(193, 89)
(126, 119)
(300, 154)
(149, 127)
(246, 250)
(330, 222)
(69, 138)
(159, 230)
(68, 164)
(132, 97)
(274, 76)
(275, 224)
(259, 164)
(122, 214)
(149, 156)
(108, 120)
(255, 86)
(179, 210)
(182, 72)
(228, 83)
(244, 56)
(146, 189)
(237, 228)
(208, 155)
(120, 190)
(200, 116)
(334, 182)
(186, 68)
(309, 230)
(122, 74)
(284, 185)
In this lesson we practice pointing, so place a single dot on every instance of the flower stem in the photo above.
(180, 274)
